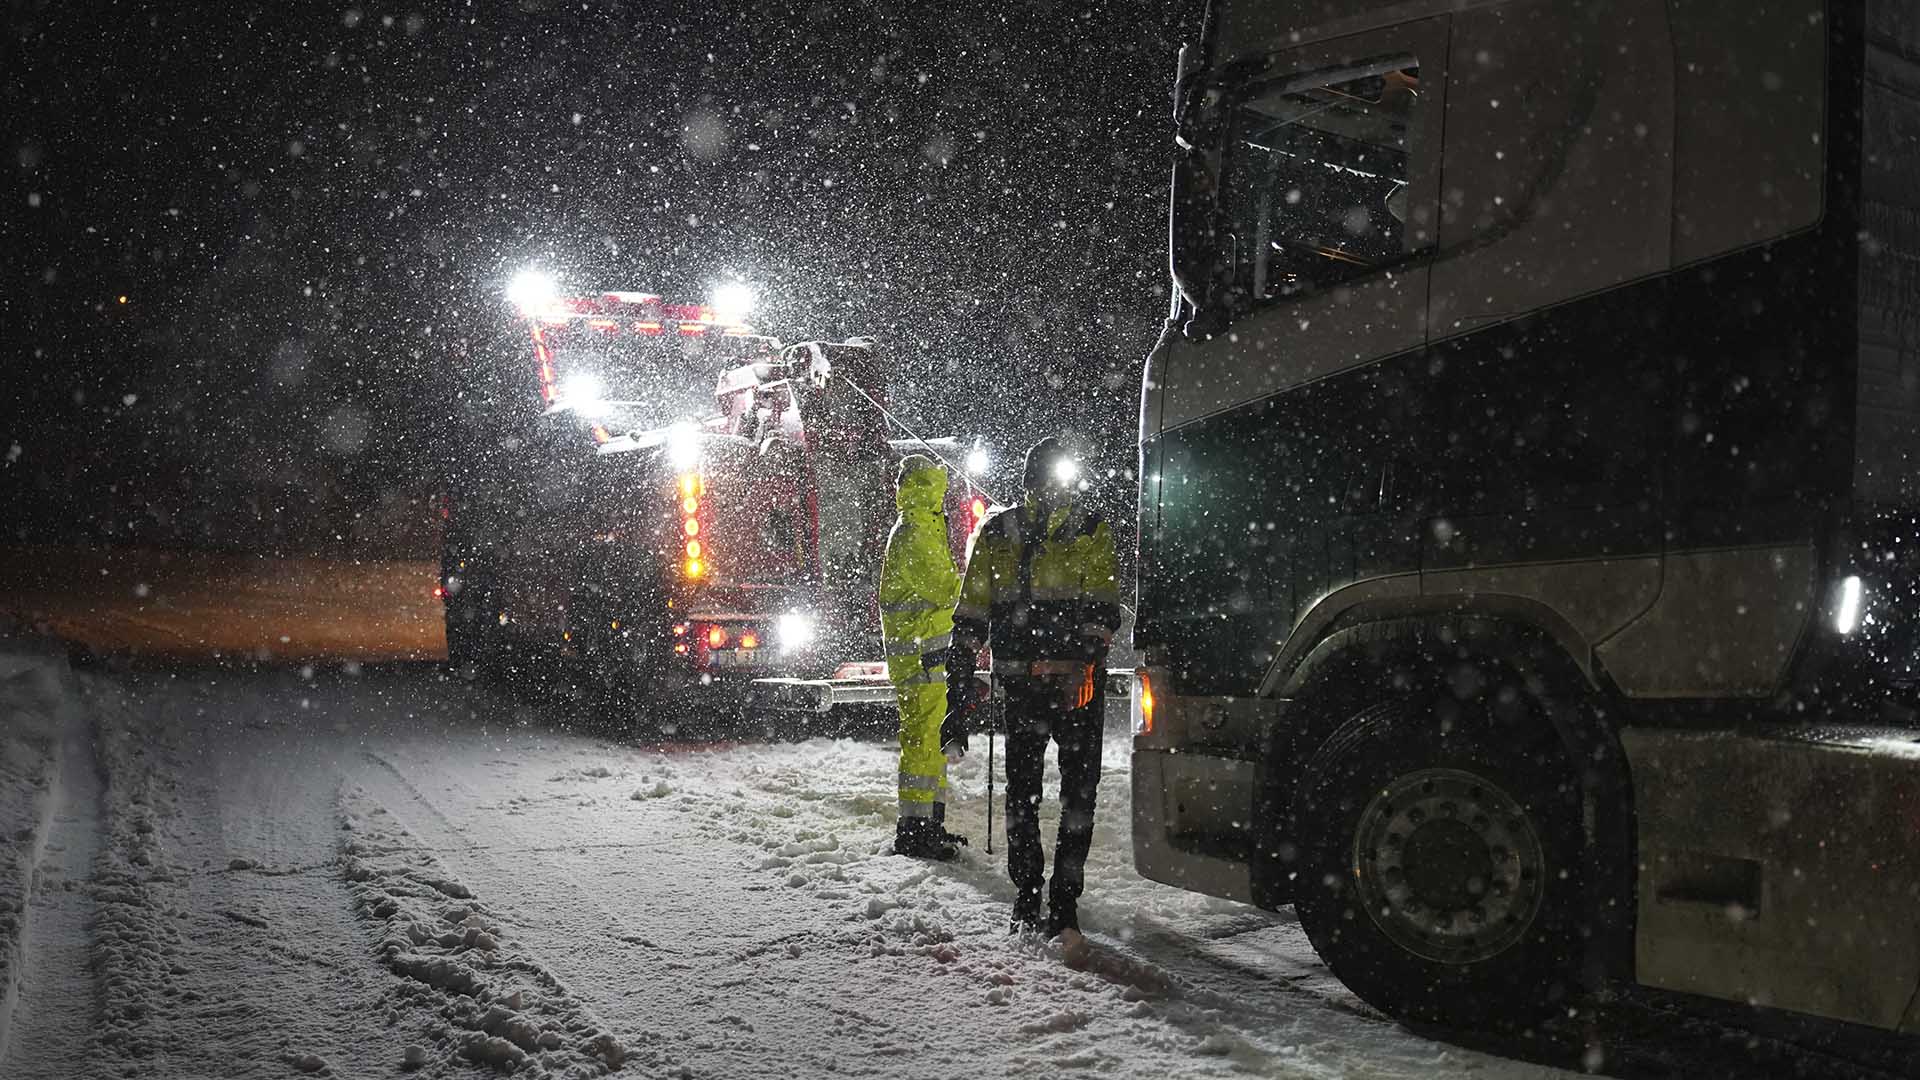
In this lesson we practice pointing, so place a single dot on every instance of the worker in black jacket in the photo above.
(1040, 591)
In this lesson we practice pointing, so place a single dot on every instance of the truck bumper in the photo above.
(1163, 784)
(818, 695)
(871, 687)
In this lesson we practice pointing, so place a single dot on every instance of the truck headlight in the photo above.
(794, 631)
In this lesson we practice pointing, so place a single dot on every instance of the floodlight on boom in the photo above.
(533, 290)
(732, 302)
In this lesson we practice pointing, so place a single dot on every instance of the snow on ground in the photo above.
(352, 874)
(47, 830)
(30, 699)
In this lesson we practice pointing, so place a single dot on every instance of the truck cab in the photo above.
(1528, 500)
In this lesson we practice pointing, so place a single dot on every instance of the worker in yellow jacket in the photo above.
(1041, 591)
(918, 587)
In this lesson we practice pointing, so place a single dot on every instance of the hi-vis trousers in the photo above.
(923, 768)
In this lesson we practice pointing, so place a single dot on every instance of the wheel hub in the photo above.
(1448, 865)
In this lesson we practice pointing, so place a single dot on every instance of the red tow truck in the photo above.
(690, 507)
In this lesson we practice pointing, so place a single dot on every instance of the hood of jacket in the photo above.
(923, 487)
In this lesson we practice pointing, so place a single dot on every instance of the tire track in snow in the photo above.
(46, 992)
(475, 993)
(730, 997)
(210, 961)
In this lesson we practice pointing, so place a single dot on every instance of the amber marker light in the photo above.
(1143, 724)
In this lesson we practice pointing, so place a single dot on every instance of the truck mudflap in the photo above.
(865, 683)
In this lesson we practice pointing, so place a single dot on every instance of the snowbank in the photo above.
(34, 704)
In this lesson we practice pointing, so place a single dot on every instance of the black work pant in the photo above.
(1035, 712)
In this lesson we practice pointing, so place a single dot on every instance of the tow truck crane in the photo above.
(652, 540)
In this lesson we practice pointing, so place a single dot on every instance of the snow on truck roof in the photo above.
(632, 312)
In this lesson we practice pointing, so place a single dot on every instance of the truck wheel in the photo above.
(1442, 864)
(618, 664)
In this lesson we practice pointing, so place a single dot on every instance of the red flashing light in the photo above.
(681, 648)
(716, 637)
(679, 629)
(439, 592)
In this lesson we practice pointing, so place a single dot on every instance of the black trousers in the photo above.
(1035, 713)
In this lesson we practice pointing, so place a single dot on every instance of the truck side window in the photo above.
(1314, 185)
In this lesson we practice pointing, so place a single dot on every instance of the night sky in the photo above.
(312, 212)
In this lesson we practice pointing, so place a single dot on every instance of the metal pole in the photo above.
(992, 724)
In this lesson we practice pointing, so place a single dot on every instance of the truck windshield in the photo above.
(1314, 184)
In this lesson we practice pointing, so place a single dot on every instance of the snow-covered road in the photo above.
(341, 872)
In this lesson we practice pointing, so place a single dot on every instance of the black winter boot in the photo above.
(1062, 917)
(1026, 913)
(920, 838)
(940, 820)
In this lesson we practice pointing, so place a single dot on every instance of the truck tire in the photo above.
(1441, 863)
(619, 664)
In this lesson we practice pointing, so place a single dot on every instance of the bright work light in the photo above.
(683, 446)
(533, 290)
(795, 630)
(582, 389)
(732, 302)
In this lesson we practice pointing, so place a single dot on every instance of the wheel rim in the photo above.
(1448, 865)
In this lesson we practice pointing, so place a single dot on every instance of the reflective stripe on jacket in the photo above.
(1040, 590)
(918, 584)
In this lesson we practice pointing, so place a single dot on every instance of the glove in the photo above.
(960, 701)
(953, 734)
(1076, 692)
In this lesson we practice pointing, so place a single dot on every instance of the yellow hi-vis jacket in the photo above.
(918, 584)
(1042, 593)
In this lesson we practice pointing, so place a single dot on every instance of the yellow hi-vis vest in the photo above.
(918, 584)
(1042, 593)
